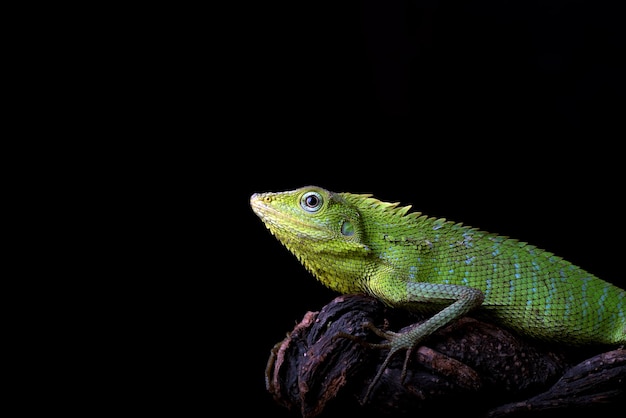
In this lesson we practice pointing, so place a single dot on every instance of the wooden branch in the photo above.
(486, 370)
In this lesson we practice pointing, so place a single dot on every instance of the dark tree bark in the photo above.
(472, 365)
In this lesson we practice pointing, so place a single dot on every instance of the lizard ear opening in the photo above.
(347, 229)
(351, 233)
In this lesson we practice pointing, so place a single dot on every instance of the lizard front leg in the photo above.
(462, 299)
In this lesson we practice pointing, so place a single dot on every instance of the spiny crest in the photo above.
(389, 208)
(393, 209)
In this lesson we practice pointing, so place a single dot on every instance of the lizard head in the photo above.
(321, 228)
(310, 219)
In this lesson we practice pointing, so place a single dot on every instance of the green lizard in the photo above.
(354, 243)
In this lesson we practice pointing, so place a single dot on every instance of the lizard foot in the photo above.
(395, 342)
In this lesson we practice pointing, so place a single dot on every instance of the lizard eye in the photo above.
(311, 201)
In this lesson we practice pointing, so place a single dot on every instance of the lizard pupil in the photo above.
(311, 202)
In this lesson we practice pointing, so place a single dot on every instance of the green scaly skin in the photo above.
(354, 243)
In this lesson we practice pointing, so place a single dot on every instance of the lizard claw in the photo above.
(382, 369)
(394, 344)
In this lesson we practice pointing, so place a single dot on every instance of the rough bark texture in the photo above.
(471, 365)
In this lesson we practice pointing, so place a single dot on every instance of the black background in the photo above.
(503, 115)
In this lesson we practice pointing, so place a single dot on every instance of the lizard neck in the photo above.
(344, 271)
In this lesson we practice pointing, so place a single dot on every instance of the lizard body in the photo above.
(354, 243)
